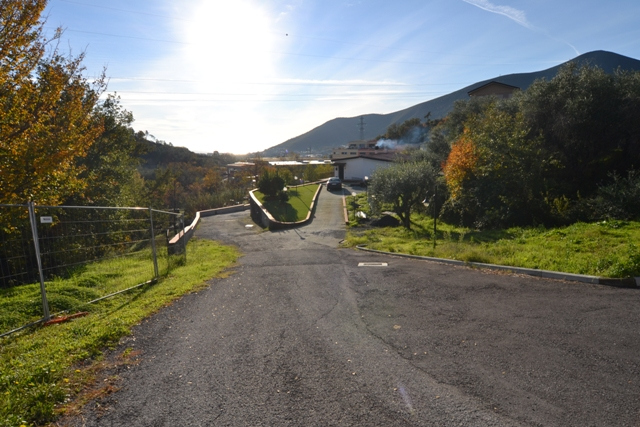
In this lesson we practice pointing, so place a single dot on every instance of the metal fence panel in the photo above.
(82, 250)
(18, 266)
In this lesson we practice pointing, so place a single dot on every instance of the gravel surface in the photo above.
(301, 335)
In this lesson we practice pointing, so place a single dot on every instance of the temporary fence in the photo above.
(54, 259)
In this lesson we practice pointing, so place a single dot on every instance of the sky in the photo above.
(240, 76)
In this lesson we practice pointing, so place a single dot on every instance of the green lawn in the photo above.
(606, 248)
(296, 208)
(44, 367)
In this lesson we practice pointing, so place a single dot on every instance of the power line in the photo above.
(122, 36)
(123, 10)
(280, 33)
(304, 55)
(310, 83)
(321, 98)
(154, 92)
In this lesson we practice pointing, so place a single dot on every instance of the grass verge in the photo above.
(605, 248)
(293, 210)
(43, 368)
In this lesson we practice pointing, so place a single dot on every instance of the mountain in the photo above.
(340, 131)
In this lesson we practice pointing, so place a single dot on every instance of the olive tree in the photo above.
(404, 186)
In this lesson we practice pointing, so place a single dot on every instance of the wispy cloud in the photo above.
(514, 14)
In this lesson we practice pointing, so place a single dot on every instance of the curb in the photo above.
(344, 208)
(630, 283)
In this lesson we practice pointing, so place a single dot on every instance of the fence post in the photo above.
(184, 238)
(36, 245)
(153, 245)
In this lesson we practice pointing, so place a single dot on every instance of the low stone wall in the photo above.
(345, 211)
(225, 210)
(259, 215)
(180, 240)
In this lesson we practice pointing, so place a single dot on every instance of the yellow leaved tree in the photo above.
(47, 119)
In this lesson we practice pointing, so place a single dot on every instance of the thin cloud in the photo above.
(511, 13)
(515, 15)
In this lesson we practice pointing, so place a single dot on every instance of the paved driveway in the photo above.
(301, 335)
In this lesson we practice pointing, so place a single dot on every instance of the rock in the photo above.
(386, 221)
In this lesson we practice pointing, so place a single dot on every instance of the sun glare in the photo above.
(229, 42)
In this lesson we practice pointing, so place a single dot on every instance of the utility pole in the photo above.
(361, 127)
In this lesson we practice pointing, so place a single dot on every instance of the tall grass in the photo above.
(20, 305)
(40, 369)
(605, 248)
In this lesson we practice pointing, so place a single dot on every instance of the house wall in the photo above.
(357, 169)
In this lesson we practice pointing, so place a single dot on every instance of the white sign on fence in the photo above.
(46, 220)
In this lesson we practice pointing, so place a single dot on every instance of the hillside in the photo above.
(158, 155)
(340, 131)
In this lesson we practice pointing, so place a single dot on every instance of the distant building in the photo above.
(497, 89)
(241, 168)
(360, 148)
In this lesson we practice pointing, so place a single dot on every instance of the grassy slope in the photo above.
(296, 208)
(606, 248)
(39, 368)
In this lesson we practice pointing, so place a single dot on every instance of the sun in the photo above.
(229, 41)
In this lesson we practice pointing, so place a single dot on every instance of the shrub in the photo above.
(270, 184)
(619, 199)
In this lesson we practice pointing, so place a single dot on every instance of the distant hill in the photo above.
(340, 131)
(159, 155)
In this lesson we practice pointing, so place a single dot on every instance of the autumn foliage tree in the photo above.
(555, 153)
(496, 173)
(403, 186)
(460, 165)
(47, 120)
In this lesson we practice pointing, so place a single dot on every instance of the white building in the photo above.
(356, 168)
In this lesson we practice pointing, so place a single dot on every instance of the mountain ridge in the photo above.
(341, 130)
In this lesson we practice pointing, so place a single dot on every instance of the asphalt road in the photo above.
(301, 335)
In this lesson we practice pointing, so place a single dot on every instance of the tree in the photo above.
(270, 183)
(404, 186)
(589, 121)
(409, 131)
(47, 119)
(109, 167)
(496, 173)
(446, 131)
(461, 164)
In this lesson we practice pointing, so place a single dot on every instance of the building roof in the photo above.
(380, 158)
(298, 163)
(240, 165)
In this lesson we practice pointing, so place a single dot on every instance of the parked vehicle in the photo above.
(334, 183)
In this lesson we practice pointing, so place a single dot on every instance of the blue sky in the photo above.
(244, 75)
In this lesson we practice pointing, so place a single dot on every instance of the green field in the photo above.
(296, 208)
(605, 248)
